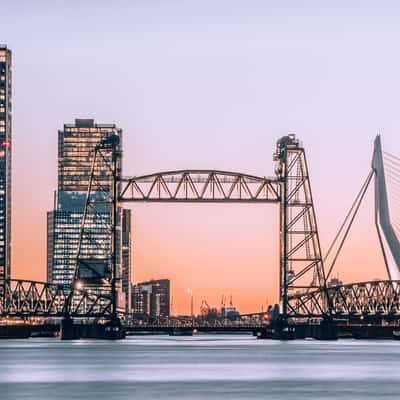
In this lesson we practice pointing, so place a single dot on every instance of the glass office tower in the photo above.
(5, 164)
(76, 143)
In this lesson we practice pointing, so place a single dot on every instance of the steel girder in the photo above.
(364, 299)
(41, 299)
(200, 186)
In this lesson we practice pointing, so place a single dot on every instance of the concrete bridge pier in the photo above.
(282, 329)
(69, 331)
(112, 330)
(279, 329)
(326, 330)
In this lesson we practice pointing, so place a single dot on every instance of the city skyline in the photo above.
(224, 125)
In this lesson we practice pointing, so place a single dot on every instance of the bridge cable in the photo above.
(355, 206)
(391, 156)
(344, 222)
(392, 174)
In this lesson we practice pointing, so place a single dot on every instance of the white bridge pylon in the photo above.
(387, 236)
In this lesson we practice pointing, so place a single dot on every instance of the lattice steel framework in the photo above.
(29, 298)
(98, 261)
(203, 186)
(301, 264)
(373, 298)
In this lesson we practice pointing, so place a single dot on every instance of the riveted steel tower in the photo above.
(301, 263)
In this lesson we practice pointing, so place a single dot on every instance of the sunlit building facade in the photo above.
(63, 228)
(5, 164)
(151, 299)
(75, 144)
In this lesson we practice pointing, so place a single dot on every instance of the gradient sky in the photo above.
(207, 84)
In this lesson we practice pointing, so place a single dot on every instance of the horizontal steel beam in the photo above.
(189, 200)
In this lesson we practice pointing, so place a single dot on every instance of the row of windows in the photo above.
(91, 130)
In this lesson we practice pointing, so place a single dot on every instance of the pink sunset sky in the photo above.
(209, 86)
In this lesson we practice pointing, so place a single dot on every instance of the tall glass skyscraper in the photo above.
(5, 164)
(76, 143)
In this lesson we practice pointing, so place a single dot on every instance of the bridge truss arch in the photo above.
(197, 185)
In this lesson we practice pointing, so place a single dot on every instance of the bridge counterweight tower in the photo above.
(301, 263)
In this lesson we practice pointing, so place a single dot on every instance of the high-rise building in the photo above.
(151, 298)
(5, 164)
(63, 233)
(76, 143)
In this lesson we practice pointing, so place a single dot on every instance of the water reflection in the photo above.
(198, 367)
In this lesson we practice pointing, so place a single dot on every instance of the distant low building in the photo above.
(230, 313)
(151, 299)
(335, 282)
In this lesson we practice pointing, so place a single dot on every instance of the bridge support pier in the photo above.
(279, 329)
(282, 329)
(326, 330)
(112, 330)
(68, 331)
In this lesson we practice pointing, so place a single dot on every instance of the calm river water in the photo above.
(198, 367)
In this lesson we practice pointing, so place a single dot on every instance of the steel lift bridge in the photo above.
(304, 292)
